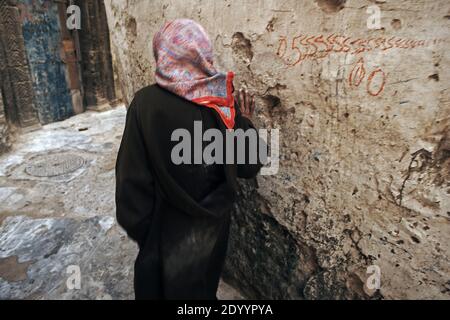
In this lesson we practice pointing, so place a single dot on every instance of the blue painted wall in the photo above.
(41, 32)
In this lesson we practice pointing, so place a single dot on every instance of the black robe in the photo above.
(178, 214)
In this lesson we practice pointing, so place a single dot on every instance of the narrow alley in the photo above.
(58, 213)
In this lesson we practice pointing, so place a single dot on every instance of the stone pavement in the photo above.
(57, 214)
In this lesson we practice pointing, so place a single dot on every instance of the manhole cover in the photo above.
(54, 165)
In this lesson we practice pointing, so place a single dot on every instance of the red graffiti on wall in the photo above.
(358, 73)
(370, 81)
(314, 47)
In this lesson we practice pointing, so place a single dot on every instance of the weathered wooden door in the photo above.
(42, 35)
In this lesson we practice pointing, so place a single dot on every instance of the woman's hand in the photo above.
(247, 103)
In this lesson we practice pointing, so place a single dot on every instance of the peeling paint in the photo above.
(41, 32)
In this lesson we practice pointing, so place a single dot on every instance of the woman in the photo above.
(179, 214)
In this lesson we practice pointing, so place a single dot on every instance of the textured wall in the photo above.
(16, 80)
(97, 71)
(5, 140)
(364, 120)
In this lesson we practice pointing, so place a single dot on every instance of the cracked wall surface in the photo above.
(364, 123)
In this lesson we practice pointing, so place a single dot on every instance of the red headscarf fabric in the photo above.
(184, 66)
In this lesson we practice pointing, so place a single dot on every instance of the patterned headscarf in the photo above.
(184, 66)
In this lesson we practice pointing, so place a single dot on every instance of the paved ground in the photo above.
(57, 214)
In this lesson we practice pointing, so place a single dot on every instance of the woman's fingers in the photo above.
(246, 102)
(252, 105)
(242, 100)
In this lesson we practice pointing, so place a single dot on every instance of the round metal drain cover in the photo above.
(54, 165)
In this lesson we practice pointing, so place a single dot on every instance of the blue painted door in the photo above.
(41, 31)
